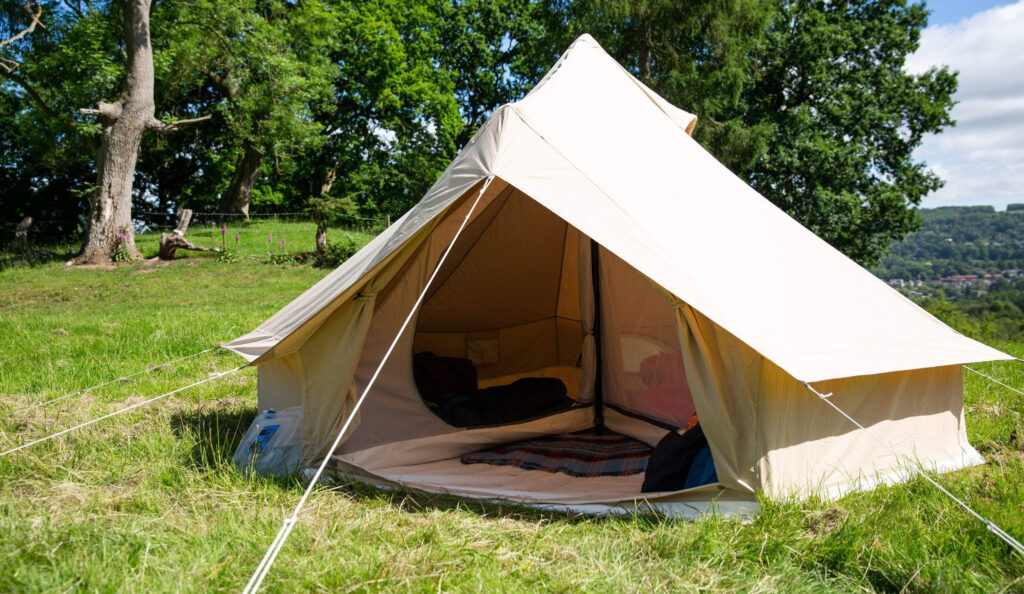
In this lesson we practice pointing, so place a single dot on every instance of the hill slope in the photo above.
(959, 240)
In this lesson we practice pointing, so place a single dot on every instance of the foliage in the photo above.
(366, 103)
(992, 313)
(122, 249)
(46, 166)
(845, 119)
(958, 240)
(495, 50)
(391, 119)
(228, 256)
(327, 209)
(338, 251)
(699, 55)
(146, 494)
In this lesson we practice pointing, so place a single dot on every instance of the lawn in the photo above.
(149, 501)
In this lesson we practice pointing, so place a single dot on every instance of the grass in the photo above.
(148, 501)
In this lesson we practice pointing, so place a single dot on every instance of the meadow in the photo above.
(149, 501)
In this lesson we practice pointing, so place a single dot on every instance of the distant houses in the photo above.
(959, 280)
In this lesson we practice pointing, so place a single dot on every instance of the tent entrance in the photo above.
(514, 302)
(498, 337)
(508, 319)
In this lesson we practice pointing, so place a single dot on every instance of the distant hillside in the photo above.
(959, 240)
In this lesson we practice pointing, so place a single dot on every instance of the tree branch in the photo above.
(164, 128)
(224, 82)
(73, 8)
(21, 82)
(31, 26)
(105, 111)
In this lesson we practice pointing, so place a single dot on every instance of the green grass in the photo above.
(148, 501)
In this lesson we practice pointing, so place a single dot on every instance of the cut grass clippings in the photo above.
(149, 501)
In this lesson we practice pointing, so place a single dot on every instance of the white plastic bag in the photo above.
(273, 443)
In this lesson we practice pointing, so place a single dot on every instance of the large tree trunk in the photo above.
(239, 193)
(124, 122)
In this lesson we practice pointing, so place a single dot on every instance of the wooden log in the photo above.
(21, 236)
(170, 243)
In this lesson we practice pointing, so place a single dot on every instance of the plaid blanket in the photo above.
(577, 454)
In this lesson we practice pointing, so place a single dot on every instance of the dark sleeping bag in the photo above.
(680, 462)
(437, 377)
(448, 385)
(522, 399)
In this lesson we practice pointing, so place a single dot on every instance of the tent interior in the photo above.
(511, 313)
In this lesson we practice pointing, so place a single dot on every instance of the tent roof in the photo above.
(594, 145)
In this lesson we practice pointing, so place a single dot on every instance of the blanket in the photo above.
(582, 454)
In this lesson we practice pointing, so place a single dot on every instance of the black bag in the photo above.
(671, 460)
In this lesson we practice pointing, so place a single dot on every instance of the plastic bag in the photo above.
(273, 443)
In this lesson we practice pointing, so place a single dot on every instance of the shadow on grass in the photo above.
(215, 432)
(35, 257)
(419, 502)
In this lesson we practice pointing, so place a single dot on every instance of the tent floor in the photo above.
(609, 495)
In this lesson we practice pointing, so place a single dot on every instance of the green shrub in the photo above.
(338, 250)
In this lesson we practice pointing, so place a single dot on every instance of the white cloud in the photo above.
(982, 158)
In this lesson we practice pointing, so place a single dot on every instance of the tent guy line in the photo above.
(123, 410)
(992, 379)
(992, 527)
(113, 381)
(286, 526)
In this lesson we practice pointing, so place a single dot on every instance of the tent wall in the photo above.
(279, 382)
(395, 411)
(767, 430)
(330, 357)
(809, 448)
(723, 374)
(643, 371)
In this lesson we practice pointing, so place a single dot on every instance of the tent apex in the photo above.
(588, 39)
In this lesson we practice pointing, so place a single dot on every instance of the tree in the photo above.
(495, 51)
(122, 122)
(845, 119)
(267, 64)
(697, 54)
(389, 123)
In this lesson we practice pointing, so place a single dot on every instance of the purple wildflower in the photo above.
(223, 229)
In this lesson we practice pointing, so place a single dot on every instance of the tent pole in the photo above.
(598, 361)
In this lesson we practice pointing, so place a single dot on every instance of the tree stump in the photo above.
(20, 245)
(170, 243)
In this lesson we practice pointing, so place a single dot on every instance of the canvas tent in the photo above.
(690, 263)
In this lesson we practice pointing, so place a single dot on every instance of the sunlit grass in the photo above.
(148, 501)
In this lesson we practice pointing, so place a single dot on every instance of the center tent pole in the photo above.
(595, 273)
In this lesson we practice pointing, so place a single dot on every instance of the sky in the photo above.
(982, 157)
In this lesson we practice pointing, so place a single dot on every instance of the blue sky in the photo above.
(982, 157)
(945, 12)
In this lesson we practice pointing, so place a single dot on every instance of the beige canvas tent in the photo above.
(690, 262)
